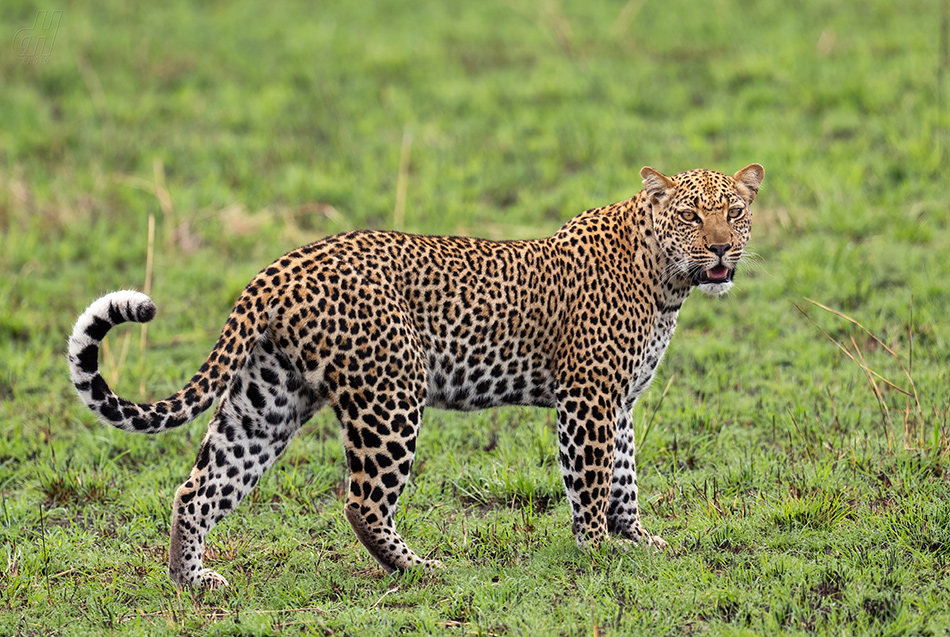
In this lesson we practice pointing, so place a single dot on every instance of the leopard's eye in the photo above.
(688, 216)
(735, 213)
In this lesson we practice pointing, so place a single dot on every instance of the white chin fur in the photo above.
(715, 289)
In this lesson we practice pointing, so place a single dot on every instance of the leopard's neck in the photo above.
(671, 288)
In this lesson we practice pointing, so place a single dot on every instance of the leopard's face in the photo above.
(703, 221)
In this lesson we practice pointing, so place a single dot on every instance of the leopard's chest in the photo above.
(658, 340)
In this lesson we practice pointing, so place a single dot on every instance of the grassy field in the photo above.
(797, 462)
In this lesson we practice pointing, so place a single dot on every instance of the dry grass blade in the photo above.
(649, 427)
(799, 430)
(910, 379)
(112, 364)
(626, 16)
(392, 590)
(858, 358)
(888, 423)
(147, 290)
(402, 180)
(848, 353)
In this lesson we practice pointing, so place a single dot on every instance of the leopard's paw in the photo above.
(638, 539)
(659, 544)
(203, 578)
(210, 580)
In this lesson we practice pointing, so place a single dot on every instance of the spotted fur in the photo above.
(378, 325)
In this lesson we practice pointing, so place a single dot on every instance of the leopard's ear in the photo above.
(655, 182)
(748, 181)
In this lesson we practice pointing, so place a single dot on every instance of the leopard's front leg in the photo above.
(586, 445)
(623, 511)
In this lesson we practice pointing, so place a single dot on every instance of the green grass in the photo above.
(793, 501)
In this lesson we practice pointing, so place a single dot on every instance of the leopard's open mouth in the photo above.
(718, 274)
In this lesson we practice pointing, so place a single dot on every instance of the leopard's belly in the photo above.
(485, 378)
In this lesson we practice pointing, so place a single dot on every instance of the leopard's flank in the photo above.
(378, 325)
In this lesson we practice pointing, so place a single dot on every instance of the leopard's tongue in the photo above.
(718, 272)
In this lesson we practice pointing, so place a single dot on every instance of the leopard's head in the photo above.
(702, 221)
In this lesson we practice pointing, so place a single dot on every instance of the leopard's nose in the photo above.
(719, 249)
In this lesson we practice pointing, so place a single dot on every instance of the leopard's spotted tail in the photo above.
(242, 331)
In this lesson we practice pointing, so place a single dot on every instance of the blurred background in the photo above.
(244, 131)
(230, 122)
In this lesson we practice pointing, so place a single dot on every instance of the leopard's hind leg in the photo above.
(363, 350)
(265, 405)
(380, 410)
(380, 453)
(380, 447)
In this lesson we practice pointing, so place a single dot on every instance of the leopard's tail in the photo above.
(242, 331)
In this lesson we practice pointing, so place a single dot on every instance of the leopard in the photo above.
(378, 325)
